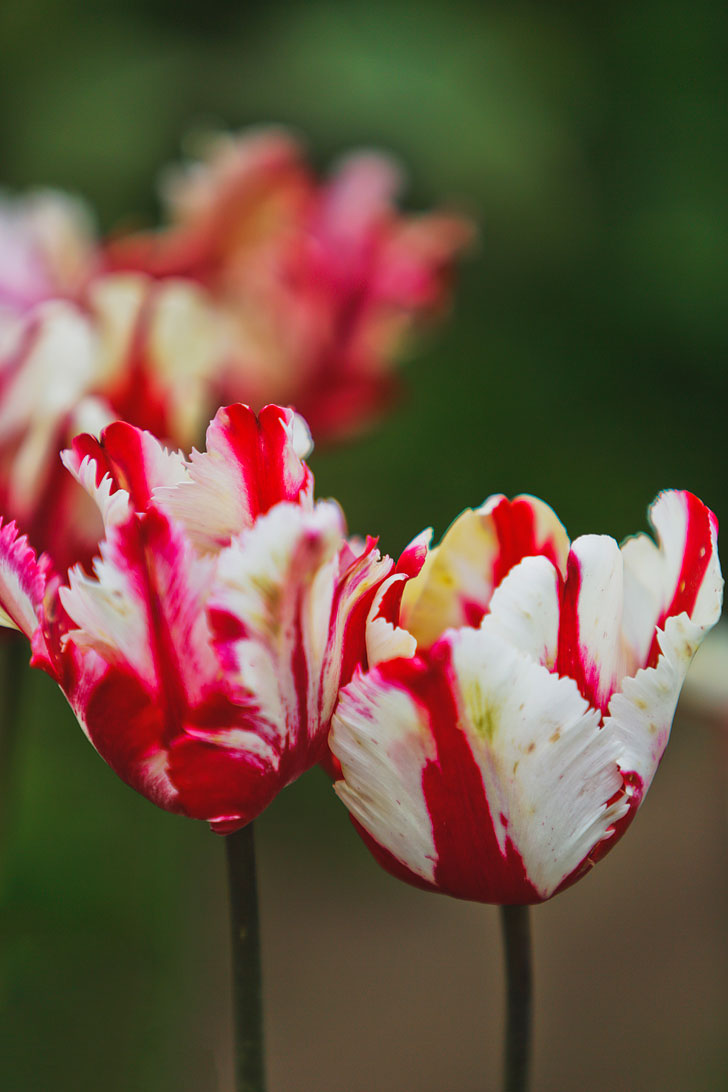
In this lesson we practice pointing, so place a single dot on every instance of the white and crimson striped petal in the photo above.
(204, 652)
(506, 746)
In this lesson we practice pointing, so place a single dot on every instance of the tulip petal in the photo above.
(590, 628)
(22, 581)
(250, 465)
(380, 737)
(125, 460)
(478, 550)
(271, 613)
(679, 573)
(483, 759)
(524, 610)
(143, 609)
(673, 596)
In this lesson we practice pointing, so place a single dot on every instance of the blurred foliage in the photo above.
(584, 362)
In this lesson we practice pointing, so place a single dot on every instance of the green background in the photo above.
(584, 362)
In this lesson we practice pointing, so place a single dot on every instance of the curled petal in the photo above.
(271, 611)
(590, 649)
(385, 638)
(142, 611)
(681, 573)
(678, 587)
(22, 581)
(125, 462)
(251, 464)
(458, 578)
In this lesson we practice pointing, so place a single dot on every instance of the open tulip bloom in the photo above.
(518, 703)
(204, 655)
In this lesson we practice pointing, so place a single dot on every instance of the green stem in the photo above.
(517, 946)
(247, 989)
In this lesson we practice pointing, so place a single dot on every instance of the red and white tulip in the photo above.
(519, 700)
(204, 654)
(321, 282)
(80, 348)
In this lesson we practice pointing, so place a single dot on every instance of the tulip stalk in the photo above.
(245, 939)
(517, 949)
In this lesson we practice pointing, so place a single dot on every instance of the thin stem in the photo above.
(517, 945)
(247, 990)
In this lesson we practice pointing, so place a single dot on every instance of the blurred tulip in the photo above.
(204, 655)
(79, 348)
(519, 702)
(47, 251)
(322, 283)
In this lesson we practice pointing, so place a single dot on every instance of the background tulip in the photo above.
(79, 349)
(322, 282)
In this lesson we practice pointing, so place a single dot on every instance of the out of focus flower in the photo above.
(518, 704)
(48, 251)
(322, 283)
(79, 348)
(204, 655)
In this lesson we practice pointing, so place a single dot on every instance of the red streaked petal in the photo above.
(477, 552)
(447, 758)
(133, 461)
(144, 609)
(251, 464)
(22, 581)
(590, 649)
(272, 607)
(127, 726)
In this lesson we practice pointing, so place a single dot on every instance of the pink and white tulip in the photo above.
(322, 283)
(204, 654)
(518, 702)
(80, 348)
(48, 251)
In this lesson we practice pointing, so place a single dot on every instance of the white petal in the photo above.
(640, 717)
(144, 607)
(547, 767)
(113, 504)
(524, 610)
(591, 649)
(278, 579)
(378, 736)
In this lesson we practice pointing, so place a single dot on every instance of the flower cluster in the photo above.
(79, 348)
(269, 285)
(492, 710)
(497, 706)
(322, 282)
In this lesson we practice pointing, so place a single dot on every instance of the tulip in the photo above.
(322, 282)
(47, 251)
(80, 348)
(204, 653)
(519, 698)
